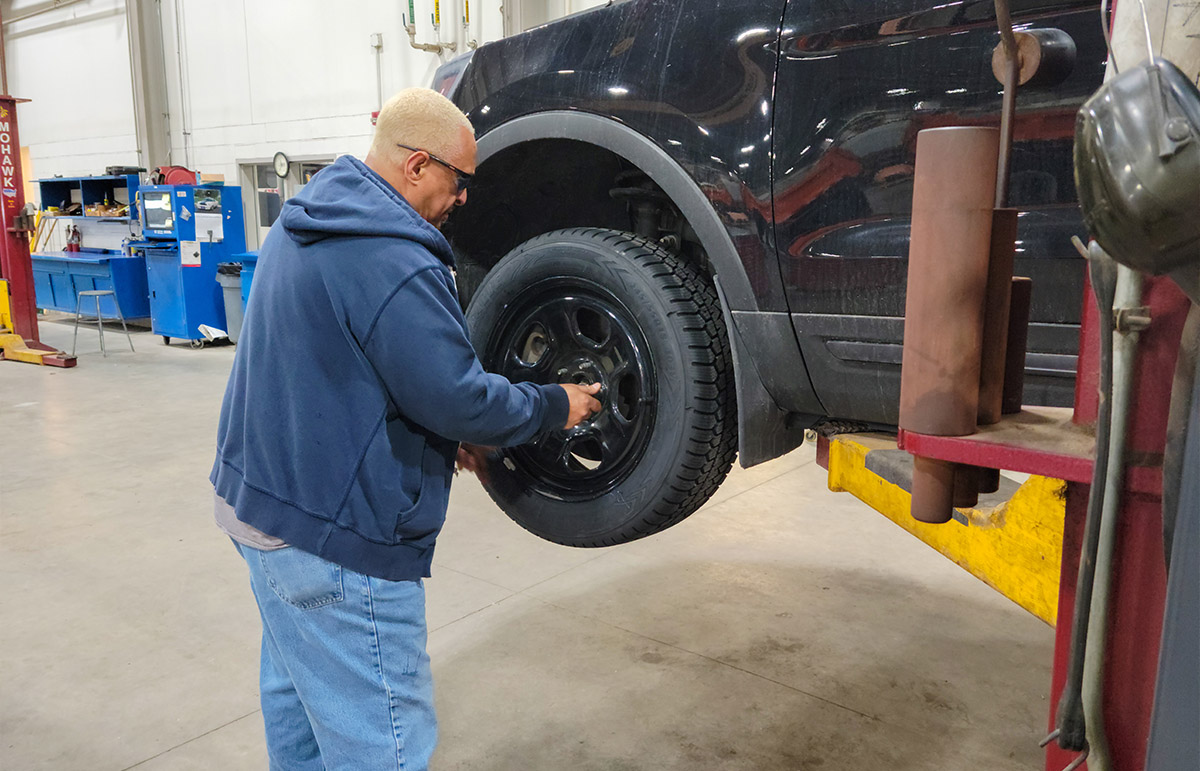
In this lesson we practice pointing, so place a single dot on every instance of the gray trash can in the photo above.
(229, 276)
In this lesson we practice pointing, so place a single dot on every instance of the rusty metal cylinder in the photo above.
(1018, 336)
(989, 480)
(1046, 57)
(932, 490)
(947, 280)
(995, 320)
(966, 487)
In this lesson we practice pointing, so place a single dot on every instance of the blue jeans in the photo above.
(344, 680)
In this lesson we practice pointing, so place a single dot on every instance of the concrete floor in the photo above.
(780, 627)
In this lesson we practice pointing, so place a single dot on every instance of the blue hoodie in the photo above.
(354, 381)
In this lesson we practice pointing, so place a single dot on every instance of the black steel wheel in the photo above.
(592, 305)
(574, 330)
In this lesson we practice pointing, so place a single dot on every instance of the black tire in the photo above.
(591, 304)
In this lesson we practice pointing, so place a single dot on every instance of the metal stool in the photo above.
(98, 293)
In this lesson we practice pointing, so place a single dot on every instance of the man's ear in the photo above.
(414, 165)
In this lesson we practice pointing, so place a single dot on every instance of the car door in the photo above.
(857, 80)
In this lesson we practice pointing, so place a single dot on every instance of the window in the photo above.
(268, 194)
(270, 191)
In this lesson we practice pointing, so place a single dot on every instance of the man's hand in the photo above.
(473, 458)
(583, 406)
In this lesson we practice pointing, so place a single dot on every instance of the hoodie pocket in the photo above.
(390, 483)
(424, 520)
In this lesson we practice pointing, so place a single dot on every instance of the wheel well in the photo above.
(541, 185)
(534, 183)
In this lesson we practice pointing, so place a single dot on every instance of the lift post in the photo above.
(1125, 626)
(1026, 543)
(19, 338)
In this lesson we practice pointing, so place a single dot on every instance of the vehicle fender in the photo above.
(655, 163)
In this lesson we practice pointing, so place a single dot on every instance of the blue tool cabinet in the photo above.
(59, 277)
(187, 230)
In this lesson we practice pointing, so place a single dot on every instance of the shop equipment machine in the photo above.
(186, 231)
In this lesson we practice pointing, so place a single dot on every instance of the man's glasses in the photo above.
(461, 178)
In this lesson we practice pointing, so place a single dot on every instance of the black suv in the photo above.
(704, 205)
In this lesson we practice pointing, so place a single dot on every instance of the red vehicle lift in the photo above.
(1064, 451)
(961, 420)
(19, 338)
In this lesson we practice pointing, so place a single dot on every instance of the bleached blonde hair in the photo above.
(421, 118)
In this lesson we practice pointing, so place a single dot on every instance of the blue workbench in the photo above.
(59, 277)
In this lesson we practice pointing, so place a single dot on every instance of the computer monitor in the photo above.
(156, 208)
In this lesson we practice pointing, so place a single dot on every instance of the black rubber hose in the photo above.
(1069, 719)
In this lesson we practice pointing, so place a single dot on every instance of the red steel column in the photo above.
(15, 265)
(1139, 591)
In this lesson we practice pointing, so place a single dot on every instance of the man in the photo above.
(352, 386)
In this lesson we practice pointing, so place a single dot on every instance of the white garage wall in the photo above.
(74, 64)
(297, 76)
(245, 78)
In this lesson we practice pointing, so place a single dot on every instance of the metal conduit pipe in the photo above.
(185, 112)
(3, 62)
(410, 28)
(54, 6)
(70, 21)
(377, 49)
(1070, 725)
(1009, 104)
(468, 41)
(1129, 321)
